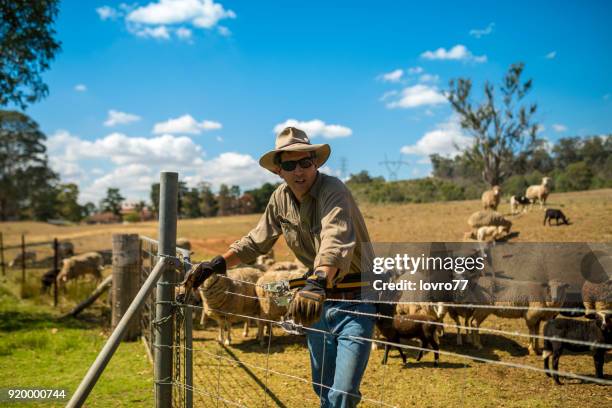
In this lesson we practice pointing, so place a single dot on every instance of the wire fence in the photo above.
(249, 375)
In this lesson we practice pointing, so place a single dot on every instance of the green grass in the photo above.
(38, 350)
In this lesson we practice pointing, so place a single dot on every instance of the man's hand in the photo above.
(307, 305)
(202, 271)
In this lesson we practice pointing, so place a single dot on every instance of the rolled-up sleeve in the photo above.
(337, 233)
(261, 238)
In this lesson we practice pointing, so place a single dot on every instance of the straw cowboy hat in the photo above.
(294, 140)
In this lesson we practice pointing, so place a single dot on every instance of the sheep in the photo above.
(518, 201)
(555, 214)
(183, 243)
(80, 265)
(539, 192)
(266, 259)
(487, 218)
(269, 310)
(47, 280)
(490, 233)
(19, 259)
(287, 266)
(530, 297)
(405, 327)
(598, 331)
(222, 306)
(597, 296)
(490, 198)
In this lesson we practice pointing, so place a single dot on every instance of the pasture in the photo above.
(63, 356)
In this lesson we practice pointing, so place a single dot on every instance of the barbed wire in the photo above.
(441, 352)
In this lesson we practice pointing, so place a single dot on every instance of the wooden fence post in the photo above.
(126, 280)
(55, 269)
(2, 254)
(23, 261)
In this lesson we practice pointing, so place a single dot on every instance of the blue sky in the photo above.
(198, 87)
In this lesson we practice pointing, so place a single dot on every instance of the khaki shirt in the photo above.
(325, 229)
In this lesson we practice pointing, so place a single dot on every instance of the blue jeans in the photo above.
(337, 361)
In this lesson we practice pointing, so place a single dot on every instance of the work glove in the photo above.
(202, 271)
(307, 304)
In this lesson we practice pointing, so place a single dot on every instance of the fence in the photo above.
(21, 258)
(191, 368)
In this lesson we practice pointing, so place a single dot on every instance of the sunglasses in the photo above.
(290, 165)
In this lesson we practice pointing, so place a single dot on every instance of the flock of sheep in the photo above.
(489, 225)
(72, 266)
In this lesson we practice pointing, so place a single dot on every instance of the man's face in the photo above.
(299, 180)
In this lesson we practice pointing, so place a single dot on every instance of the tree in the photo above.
(27, 47)
(155, 197)
(112, 202)
(206, 200)
(89, 209)
(261, 196)
(224, 200)
(67, 204)
(499, 133)
(191, 205)
(25, 175)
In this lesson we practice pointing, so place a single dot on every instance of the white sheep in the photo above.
(89, 263)
(225, 296)
(269, 310)
(490, 233)
(539, 192)
(490, 198)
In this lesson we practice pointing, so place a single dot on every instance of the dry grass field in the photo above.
(458, 382)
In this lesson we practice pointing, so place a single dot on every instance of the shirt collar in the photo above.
(316, 186)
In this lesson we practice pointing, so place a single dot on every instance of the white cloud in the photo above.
(540, 128)
(121, 149)
(393, 76)
(557, 127)
(80, 87)
(159, 32)
(232, 168)
(551, 55)
(116, 160)
(224, 31)
(429, 78)
(606, 96)
(441, 140)
(316, 127)
(199, 13)
(120, 118)
(185, 124)
(417, 95)
(107, 13)
(478, 33)
(459, 53)
(166, 18)
(415, 70)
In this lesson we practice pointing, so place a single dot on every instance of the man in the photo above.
(324, 228)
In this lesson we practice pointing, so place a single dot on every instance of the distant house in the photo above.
(103, 218)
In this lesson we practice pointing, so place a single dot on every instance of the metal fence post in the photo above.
(188, 357)
(2, 254)
(55, 269)
(168, 201)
